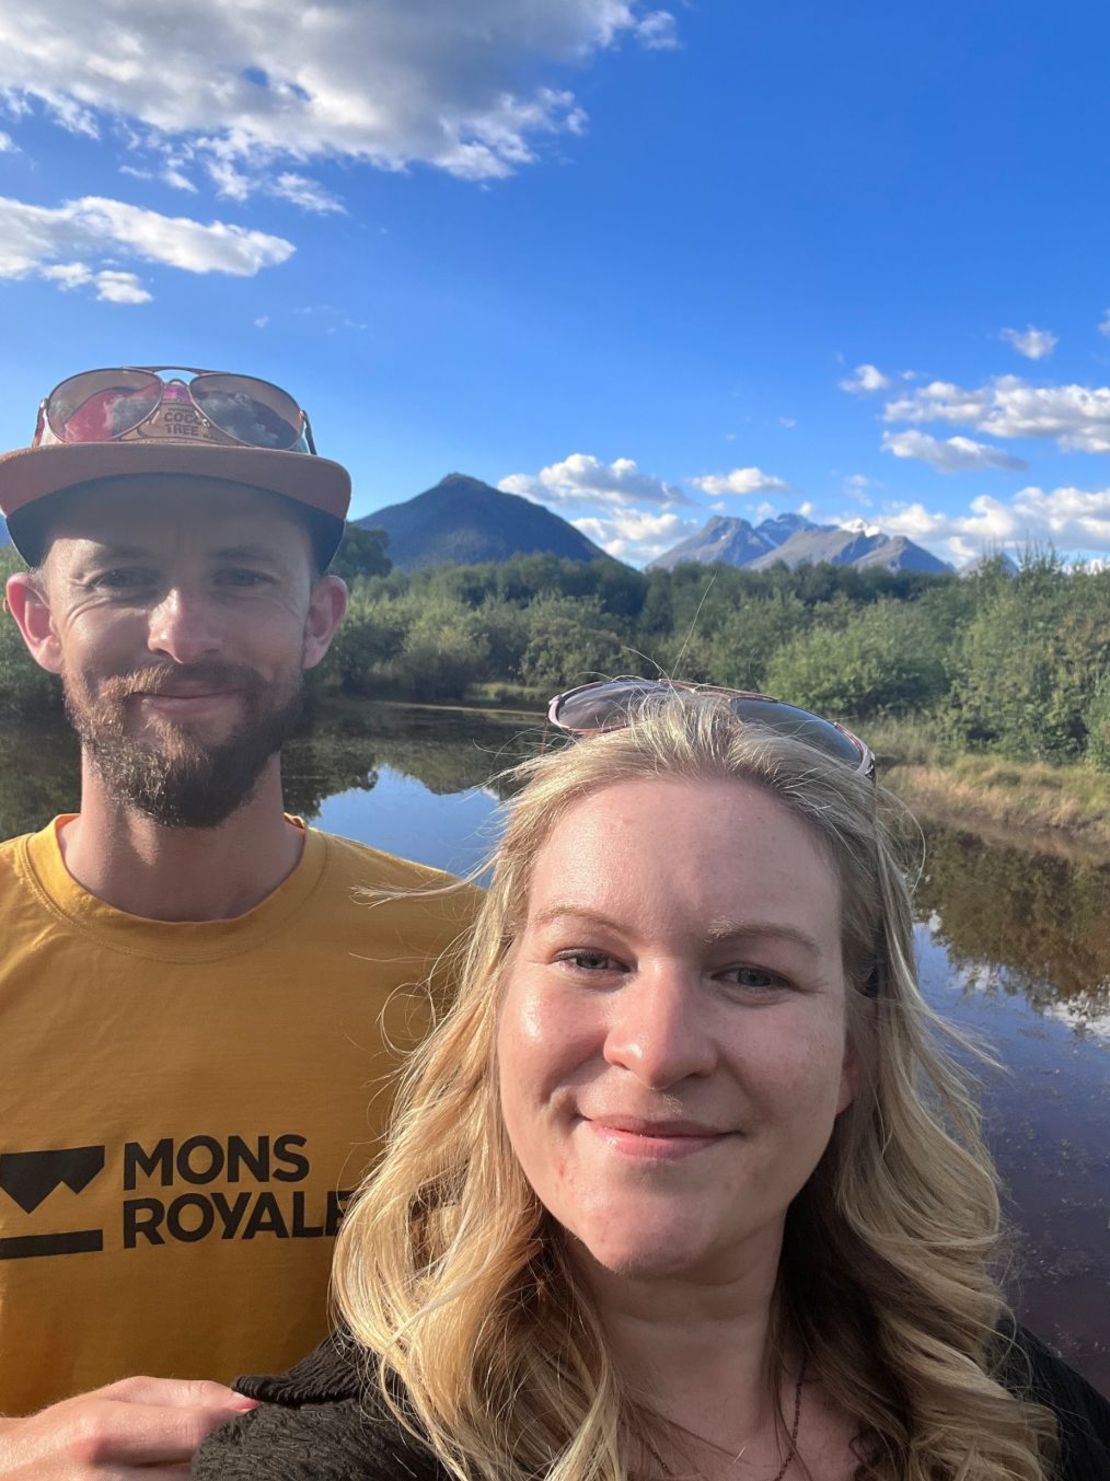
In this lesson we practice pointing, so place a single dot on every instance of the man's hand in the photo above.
(140, 1429)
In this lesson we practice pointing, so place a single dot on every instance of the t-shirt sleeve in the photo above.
(311, 1442)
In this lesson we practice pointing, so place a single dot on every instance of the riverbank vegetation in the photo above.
(991, 690)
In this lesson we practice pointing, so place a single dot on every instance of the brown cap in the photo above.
(176, 439)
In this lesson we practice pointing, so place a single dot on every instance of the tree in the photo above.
(361, 553)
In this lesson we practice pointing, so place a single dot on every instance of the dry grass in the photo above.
(1030, 799)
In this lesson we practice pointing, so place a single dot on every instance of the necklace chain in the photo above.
(793, 1450)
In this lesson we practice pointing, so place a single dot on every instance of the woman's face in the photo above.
(672, 1044)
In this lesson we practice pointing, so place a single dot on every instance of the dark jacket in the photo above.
(315, 1428)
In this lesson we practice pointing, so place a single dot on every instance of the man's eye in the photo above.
(132, 579)
(242, 577)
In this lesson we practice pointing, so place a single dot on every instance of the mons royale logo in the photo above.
(30, 1177)
(161, 1192)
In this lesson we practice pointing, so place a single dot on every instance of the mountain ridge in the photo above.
(463, 521)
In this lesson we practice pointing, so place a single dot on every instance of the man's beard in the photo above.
(168, 774)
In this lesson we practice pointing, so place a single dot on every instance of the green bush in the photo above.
(1097, 722)
(569, 643)
(883, 661)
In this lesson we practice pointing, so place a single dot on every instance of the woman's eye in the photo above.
(587, 961)
(755, 979)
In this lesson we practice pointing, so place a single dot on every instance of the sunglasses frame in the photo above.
(865, 766)
(196, 373)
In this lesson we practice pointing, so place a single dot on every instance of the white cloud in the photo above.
(1072, 519)
(658, 31)
(261, 321)
(1034, 344)
(308, 194)
(865, 378)
(119, 287)
(788, 422)
(584, 479)
(856, 486)
(52, 243)
(1078, 417)
(1104, 326)
(636, 535)
(951, 455)
(741, 481)
(471, 88)
(7, 143)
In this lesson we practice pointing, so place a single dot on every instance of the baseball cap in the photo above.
(129, 422)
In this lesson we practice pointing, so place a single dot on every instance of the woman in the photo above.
(682, 1185)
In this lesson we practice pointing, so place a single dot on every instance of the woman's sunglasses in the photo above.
(107, 405)
(610, 704)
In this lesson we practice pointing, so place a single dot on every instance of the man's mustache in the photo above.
(157, 679)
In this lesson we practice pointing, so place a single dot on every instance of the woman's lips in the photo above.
(662, 1141)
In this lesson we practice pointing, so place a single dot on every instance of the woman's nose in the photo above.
(659, 1029)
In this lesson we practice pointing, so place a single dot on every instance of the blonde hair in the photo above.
(453, 1278)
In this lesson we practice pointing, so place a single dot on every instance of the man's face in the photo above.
(182, 614)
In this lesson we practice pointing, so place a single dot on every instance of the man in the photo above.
(192, 1050)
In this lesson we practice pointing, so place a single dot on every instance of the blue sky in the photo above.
(641, 261)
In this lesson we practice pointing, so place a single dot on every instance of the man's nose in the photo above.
(185, 626)
(659, 1029)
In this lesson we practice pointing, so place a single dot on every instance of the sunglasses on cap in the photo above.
(134, 402)
(610, 704)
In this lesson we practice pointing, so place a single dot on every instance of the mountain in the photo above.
(797, 541)
(463, 521)
(733, 541)
(859, 545)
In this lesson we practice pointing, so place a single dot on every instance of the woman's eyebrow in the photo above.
(719, 931)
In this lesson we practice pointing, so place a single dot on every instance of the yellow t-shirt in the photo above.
(184, 1107)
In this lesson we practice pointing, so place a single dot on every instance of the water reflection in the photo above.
(1014, 922)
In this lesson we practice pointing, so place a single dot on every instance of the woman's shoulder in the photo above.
(317, 1422)
(1027, 1366)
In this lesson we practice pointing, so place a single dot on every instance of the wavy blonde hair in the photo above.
(453, 1279)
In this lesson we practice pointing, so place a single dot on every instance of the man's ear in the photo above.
(27, 602)
(325, 613)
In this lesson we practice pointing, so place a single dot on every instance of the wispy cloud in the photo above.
(1034, 344)
(1077, 417)
(1069, 518)
(636, 535)
(55, 242)
(949, 455)
(584, 479)
(865, 378)
(388, 82)
(741, 481)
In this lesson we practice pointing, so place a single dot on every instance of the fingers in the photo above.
(150, 1423)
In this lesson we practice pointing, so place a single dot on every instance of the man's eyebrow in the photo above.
(719, 931)
(244, 553)
(120, 552)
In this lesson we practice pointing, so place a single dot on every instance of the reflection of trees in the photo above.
(448, 750)
(1043, 919)
(323, 761)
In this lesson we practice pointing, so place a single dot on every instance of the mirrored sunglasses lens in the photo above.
(607, 707)
(786, 719)
(251, 411)
(99, 405)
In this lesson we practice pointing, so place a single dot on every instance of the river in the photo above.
(1012, 945)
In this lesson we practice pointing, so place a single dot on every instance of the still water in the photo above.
(1012, 945)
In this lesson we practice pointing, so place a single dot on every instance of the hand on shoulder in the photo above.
(148, 1428)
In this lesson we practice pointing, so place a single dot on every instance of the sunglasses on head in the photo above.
(108, 405)
(609, 704)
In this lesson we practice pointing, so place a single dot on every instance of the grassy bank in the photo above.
(1029, 803)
